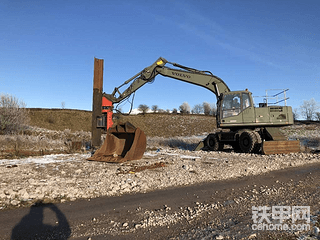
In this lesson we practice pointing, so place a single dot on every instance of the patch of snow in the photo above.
(149, 154)
(44, 159)
(137, 111)
(189, 157)
(171, 154)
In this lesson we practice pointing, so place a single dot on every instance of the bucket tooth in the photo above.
(124, 142)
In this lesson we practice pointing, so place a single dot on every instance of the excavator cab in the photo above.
(236, 108)
(123, 142)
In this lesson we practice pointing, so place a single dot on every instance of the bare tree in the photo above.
(213, 109)
(154, 108)
(174, 111)
(318, 116)
(209, 109)
(197, 109)
(184, 108)
(63, 105)
(309, 108)
(13, 115)
(206, 108)
(295, 113)
(143, 108)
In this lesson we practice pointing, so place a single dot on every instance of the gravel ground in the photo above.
(67, 177)
(59, 178)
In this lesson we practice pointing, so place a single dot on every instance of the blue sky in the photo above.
(47, 48)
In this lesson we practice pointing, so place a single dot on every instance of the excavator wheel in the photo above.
(247, 141)
(213, 143)
(124, 142)
(236, 147)
(258, 145)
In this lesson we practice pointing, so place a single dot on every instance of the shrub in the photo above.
(51, 119)
(13, 115)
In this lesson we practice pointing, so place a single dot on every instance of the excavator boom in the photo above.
(190, 75)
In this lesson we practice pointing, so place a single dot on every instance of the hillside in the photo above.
(60, 119)
(153, 124)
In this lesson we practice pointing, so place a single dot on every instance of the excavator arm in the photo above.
(190, 75)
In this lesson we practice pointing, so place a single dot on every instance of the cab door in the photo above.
(248, 110)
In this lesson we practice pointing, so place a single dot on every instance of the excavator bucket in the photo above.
(124, 142)
(280, 147)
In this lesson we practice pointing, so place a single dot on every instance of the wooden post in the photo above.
(97, 101)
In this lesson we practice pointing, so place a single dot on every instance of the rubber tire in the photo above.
(235, 146)
(257, 146)
(213, 144)
(247, 141)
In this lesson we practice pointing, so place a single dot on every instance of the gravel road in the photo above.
(64, 178)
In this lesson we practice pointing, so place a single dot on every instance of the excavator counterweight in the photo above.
(280, 147)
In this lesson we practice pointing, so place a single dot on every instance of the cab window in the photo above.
(231, 105)
(245, 101)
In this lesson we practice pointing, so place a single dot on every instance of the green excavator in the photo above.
(246, 128)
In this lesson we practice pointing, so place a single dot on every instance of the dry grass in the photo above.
(39, 141)
(185, 143)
